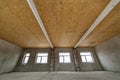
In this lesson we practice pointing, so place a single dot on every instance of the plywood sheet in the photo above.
(109, 27)
(67, 20)
(18, 25)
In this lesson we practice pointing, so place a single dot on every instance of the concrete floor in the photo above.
(97, 75)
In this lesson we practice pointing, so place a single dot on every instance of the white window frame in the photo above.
(85, 57)
(26, 56)
(41, 58)
(64, 57)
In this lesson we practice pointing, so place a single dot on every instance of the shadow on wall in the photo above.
(54, 63)
(9, 55)
(109, 54)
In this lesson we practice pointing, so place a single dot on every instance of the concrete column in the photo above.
(52, 57)
(77, 65)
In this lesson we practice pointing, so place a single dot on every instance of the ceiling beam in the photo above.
(39, 20)
(105, 12)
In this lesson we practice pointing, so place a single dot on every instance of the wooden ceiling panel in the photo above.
(18, 25)
(67, 20)
(109, 27)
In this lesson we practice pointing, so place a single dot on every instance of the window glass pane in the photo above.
(42, 54)
(64, 57)
(44, 60)
(89, 59)
(26, 60)
(61, 59)
(38, 60)
(86, 57)
(83, 58)
(27, 54)
(85, 53)
(67, 59)
(64, 53)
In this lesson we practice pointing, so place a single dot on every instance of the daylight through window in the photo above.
(26, 58)
(86, 57)
(64, 57)
(42, 58)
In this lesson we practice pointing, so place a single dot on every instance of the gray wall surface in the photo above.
(53, 61)
(31, 65)
(109, 54)
(64, 66)
(95, 66)
(9, 55)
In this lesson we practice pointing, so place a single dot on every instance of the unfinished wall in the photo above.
(9, 55)
(53, 61)
(109, 54)
(95, 66)
(64, 66)
(31, 65)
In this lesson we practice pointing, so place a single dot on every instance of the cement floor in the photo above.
(97, 75)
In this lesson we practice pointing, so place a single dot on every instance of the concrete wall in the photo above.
(95, 66)
(31, 65)
(64, 66)
(109, 54)
(9, 55)
(53, 61)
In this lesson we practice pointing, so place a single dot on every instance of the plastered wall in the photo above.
(95, 66)
(64, 66)
(9, 54)
(53, 61)
(31, 65)
(109, 54)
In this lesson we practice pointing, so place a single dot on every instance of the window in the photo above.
(42, 58)
(26, 58)
(86, 57)
(64, 57)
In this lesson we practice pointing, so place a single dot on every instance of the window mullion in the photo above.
(63, 59)
(40, 59)
(85, 58)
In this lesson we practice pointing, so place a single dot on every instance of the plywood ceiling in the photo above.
(108, 28)
(18, 25)
(65, 21)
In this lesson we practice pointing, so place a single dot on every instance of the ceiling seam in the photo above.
(39, 20)
(104, 13)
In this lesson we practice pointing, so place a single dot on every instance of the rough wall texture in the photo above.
(9, 55)
(31, 65)
(64, 66)
(109, 54)
(88, 66)
(53, 61)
